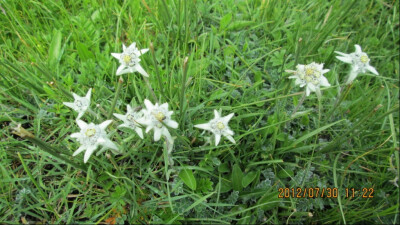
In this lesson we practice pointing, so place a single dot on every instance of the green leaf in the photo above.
(188, 178)
(248, 178)
(204, 185)
(55, 48)
(305, 137)
(237, 176)
(225, 21)
(83, 52)
(284, 173)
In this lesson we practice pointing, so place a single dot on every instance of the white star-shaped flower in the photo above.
(130, 120)
(311, 76)
(155, 117)
(219, 126)
(91, 136)
(81, 104)
(359, 63)
(129, 60)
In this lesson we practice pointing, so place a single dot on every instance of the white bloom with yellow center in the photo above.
(129, 60)
(311, 76)
(219, 126)
(155, 117)
(130, 120)
(81, 104)
(359, 63)
(91, 136)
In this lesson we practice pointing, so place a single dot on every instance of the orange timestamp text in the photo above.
(316, 192)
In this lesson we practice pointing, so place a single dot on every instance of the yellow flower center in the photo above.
(308, 78)
(160, 116)
(220, 125)
(127, 58)
(309, 71)
(364, 59)
(90, 132)
(130, 118)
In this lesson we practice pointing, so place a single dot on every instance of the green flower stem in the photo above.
(120, 81)
(150, 89)
(185, 61)
(344, 91)
(157, 71)
(20, 131)
(300, 103)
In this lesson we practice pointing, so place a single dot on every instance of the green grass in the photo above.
(237, 52)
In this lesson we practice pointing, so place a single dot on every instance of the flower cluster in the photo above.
(359, 63)
(311, 76)
(159, 118)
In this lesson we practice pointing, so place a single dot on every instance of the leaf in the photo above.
(204, 185)
(188, 178)
(83, 52)
(305, 137)
(225, 21)
(248, 178)
(55, 48)
(285, 173)
(237, 176)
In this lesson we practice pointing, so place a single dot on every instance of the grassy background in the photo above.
(238, 52)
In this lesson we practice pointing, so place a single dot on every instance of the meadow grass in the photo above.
(237, 52)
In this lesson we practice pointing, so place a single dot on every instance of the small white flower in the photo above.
(91, 136)
(219, 126)
(130, 120)
(81, 104)
(359, 63)
(155, 117)
(129, 60)
(311, 76)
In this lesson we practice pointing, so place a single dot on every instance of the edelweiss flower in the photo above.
(155, 117)
(91, 136)
(130, 120)
(359, 63)
(311, 76)
(129, 60)
(219, 126)
(81, 104)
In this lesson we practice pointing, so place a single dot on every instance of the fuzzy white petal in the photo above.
(81, 124)
(142, 51)
(116, 55)
(148, 104)
(307, 91)
(345, 59)
(217, 139)
(88, 153)
(157, 134)
(76, 135)
(88, 94)
(122, 70)
(358, 49)
(79, 150)
(70, 104)
(119, 116)
(226, 119)
(372, 69)
(216, 114)
(139, 132)
(109, 144)
(324, 82)
(105, 124)
(140, 69)
(171, 123)
(204, 126)
(231, 139)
